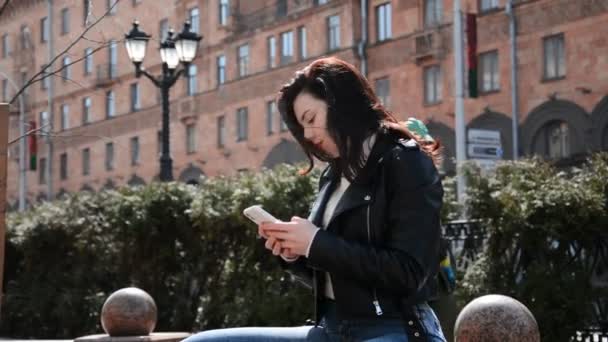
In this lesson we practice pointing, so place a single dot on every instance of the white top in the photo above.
(330, 207)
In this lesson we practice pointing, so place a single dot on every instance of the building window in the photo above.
(221, 131)
(5, 90)
(433, 12)
(487, 5)
(195, 21)
(490, 75)
(221, 69)
(191, 81)
(333, 32)
(65, 21)
(302, 41)
(163, 29)
(281, 8)
(383, 22)
(283, 126)
(65, 71)
(113, 59)
(243, 53)
(136, 2)
(63, 166)
(553, 140)
(224, 12)
(242, 124)
(88, 61)
(270, 110)
(24, 81)
(6, 47)
(44, 30)
(272, 52)
(190, 138)
(432, 84)
(112, 6)
(134, 151)
(42, 171)
(383, 91)
(320, 2)
(286, 47)
(109, 156)
(135, 98)
(554, 57)
(86, 11)
(44, 83)
(43, 121)
(25, 37)
(86, 162)
(110, 110)
(65, 117)
(86, 110)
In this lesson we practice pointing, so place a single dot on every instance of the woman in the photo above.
(370, 247)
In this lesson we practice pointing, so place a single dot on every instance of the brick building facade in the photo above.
(106, 122)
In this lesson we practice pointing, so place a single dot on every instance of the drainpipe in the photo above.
(22, 173)
(50, 93)
(363, 42)
(514, 95)
(459, 101)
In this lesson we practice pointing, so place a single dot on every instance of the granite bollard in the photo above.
(129, 315)
(496, 318)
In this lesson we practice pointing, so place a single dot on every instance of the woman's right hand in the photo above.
(274, 245)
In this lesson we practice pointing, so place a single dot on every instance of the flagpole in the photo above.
(459, 101)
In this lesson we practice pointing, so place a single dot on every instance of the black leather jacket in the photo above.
(381, 246)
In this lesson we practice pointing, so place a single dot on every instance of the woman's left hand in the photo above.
(295, 235)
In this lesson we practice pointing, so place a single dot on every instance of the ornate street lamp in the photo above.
(173, 50)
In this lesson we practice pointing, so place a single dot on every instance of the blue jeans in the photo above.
(330, 330)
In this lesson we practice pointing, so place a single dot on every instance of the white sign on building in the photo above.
(484, 147)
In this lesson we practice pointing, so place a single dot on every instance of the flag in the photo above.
(33, 146)
(472, 53)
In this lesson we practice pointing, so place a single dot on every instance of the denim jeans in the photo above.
(330, 330)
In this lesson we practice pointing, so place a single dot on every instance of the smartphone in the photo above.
(258, 215)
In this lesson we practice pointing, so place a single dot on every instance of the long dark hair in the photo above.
(354, 112)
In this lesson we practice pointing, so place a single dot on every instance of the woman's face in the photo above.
(311, 113)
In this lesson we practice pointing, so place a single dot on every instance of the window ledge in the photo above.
(552, 79)
(490, 11)
(431, 104)
(488, 92)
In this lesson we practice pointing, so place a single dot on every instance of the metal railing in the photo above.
(106, 74)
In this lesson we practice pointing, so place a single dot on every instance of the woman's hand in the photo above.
(294, 236)
(274, 245)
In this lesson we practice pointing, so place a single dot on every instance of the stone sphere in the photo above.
(129, 312)
(496, 318)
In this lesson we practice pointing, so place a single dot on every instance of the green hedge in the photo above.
(190, 248)
(546, 229)
(195, 253)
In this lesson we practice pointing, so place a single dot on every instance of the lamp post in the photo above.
(173, 50)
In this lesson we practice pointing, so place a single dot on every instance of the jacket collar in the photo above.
(360, 191)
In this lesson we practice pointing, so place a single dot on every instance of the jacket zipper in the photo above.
(376, 302)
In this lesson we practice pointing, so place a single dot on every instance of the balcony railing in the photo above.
(106, 74)
(247, 20)
(429, 43)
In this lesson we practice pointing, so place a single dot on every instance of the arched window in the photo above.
(553, 140)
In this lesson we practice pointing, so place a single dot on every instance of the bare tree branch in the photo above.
(57, 72)
(4, 6)
(36, 77)
(27, 133)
